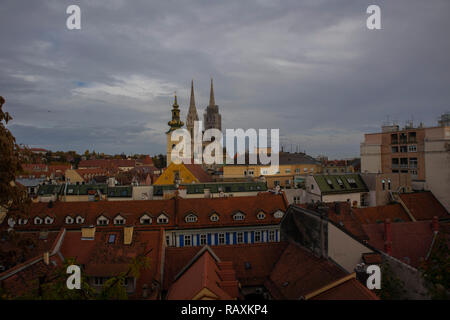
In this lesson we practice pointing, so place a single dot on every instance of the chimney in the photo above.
(47, 258)
(88, 233)
(388, 237)
(128, 235)
(435, 224)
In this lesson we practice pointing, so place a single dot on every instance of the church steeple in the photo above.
(192, 114)
(212, 102)
(175, 123)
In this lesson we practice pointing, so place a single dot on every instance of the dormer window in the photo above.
(48, 220)
(146, 219)
(261, 215)
(214, 217)
(191, 218)
(22, 221)
(278, 214)
(69, 220)
(38, 220)
(238, 216)
(79, 219)
(162, 218)
(119, 220)
(102, 221)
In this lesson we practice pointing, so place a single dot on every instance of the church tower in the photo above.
(212, 117)
(174, 124)
(192, 114)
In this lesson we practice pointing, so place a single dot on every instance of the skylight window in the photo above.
(112, 238)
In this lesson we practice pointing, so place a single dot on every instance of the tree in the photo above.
(392, 288)
(436, 269)
(12, 196)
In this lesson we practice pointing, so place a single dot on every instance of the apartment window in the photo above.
(389, 184)
(287, 171)
(203, 239)
(412, 137)
(297, 200)
(168, 240)
(311, 170)
(271, 235)
(383, 184)
(312, 187)
(111, 238)
(251, 172)
(188, 240)
(305, 169)
(412, 148)
(394, 138)
(221, 238)
(240, 237)
(287, 182)
(395, 163)
(297, 170)
(403, 162)
(257, 236)
(403, 149)
(276, 183)
(413, 163)
(394, 149)
(403, 139)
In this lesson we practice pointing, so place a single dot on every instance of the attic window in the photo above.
(162, 219)
(340, 182)
(239, 216)
(69, 220)
(37, 220)
(261, 215)
(352, 182)
(22, 221)
(102, 221)
(119, 220)
(48, 220)
(146, 219)
(278, 214)
(330, 184)
(79, 220)
(70, 191)
(214, 217)
(191, 218)
(111, 238)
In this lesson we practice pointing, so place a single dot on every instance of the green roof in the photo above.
(83, 189)
(50, 189)
(336, 184)
(120, 192)
(226, 187)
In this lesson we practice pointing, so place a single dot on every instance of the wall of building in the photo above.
(399, 182)
(343, 249)
(437, 162)
(73, 176)
(351, 197)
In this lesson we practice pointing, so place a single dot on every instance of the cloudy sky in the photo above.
(310, 68)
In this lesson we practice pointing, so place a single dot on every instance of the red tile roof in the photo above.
(369, 215)
(261, 258)
(199, 173)
(205, 272)
(104, 259)
(176, 209)
(298, 272)
(424, 205)
(349, 290)
(411, 241)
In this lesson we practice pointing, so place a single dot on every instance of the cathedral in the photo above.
(211, 118)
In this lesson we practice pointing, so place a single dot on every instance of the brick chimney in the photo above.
(435, 224)
(387, 237)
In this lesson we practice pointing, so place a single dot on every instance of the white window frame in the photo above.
(278, 214)
(186, 238)
(239, 216)
(102, 221)
(221, 238)
(119, 220)
(145, 217)
(162, 219)
(79, 219)
(69, 220)
(203, 239)
(191, 218)
(239, 235)
(261, 215)
(46, 219)
(258, 236)
(214, 217)
(271, 236)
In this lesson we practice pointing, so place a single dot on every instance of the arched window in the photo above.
(79, 219)
(214, 217)
(69, 220)
(261, 215)
(191, 218)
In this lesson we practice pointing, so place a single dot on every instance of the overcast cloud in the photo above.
(310, 68)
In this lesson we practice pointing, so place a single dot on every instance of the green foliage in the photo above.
(12, 197)
(392, 288)
(436, 270)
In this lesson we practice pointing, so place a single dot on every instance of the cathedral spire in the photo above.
(192, 102)
(175, 123)
(211, 95)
